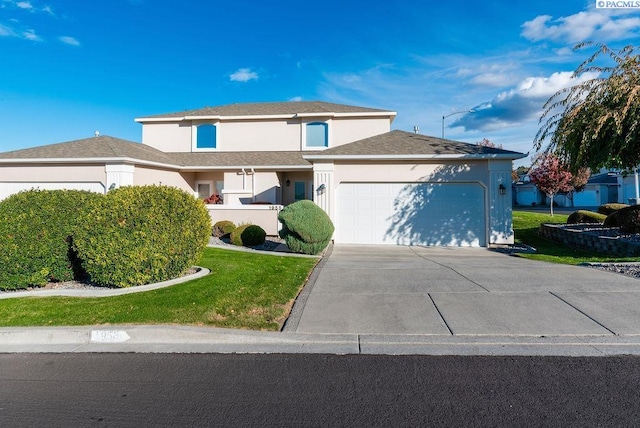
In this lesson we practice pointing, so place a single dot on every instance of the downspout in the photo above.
(253, 185)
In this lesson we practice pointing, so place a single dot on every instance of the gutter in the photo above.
(134, 161)
(504, 156)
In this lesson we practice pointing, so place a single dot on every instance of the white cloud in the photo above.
(69, 40)
(26, 34)
(496, 74)
(31, 35)
(7, 31)
(520, 104)
(243, 75)
(295, 99)
(590, 25)
(24, 5)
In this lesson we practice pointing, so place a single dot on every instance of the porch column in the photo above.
(119, 175)
(323, 187)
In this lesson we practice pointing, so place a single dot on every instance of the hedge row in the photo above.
(130, 236)
(35, 236)
(626, 217)
(247, 235)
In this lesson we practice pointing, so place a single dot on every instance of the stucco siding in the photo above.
(168, 137)
(410, 172)
(487, 174)
(259, 136)
(345, 131)
(53, 173)
(146, 176)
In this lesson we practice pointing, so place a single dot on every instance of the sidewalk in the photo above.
(405, 300)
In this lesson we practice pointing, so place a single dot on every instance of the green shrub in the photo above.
(223, 228)
(584, 216)
(306, 228)
(607, 209)
(628, 219)
(248, 235)
(142, 234)
(36, 229)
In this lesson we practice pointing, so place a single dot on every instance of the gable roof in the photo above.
(399, 145)
(289, 109)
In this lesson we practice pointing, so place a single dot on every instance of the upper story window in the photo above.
(206, 137)
(317, 134)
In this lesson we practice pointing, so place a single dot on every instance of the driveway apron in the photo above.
(379, 289)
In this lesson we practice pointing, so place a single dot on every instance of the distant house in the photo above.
(528, 194)
(601, 188)
(378, 186)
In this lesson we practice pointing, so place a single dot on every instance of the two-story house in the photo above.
(377, 185)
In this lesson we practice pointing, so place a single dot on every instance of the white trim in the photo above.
(191, 168)
(194, 136)
(240, 207)
(412, 157)
(237, 191)
(211, 188)
(119, 174)
(133, 161)
(99, 161)
(390, 114)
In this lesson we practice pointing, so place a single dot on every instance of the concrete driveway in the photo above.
(461, 291)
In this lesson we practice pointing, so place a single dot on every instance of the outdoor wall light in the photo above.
(321, 188)
(287, 183)
(502, 189)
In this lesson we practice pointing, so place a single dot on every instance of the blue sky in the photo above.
(69, 68)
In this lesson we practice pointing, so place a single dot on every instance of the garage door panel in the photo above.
(448, 214)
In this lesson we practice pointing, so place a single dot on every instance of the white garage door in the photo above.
(9, 188)
(443, 214)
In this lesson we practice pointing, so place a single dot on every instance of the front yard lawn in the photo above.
(525, 226)
(244, 290)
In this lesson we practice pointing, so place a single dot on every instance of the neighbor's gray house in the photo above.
(378, 186)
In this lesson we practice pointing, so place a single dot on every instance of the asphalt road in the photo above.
(316, 390)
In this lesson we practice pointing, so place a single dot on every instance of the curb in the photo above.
(107, 292)
(181, 339)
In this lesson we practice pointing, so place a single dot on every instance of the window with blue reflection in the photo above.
(206, 137)
(299, 190)
(317, 134)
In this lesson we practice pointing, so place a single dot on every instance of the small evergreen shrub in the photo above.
(306, 228)
(223, 228)
(584, 216)
(142, 234)
(248, 235)
(36, 233)
(607, 209)
(627, 218)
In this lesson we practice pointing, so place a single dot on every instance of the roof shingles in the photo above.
(267, 109)
(405, 143)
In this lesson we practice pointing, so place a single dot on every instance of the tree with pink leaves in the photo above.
(550, 176)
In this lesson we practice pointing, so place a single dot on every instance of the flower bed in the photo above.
(603, 239)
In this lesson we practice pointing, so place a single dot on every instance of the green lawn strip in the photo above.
(244, 290)
(526, 225)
